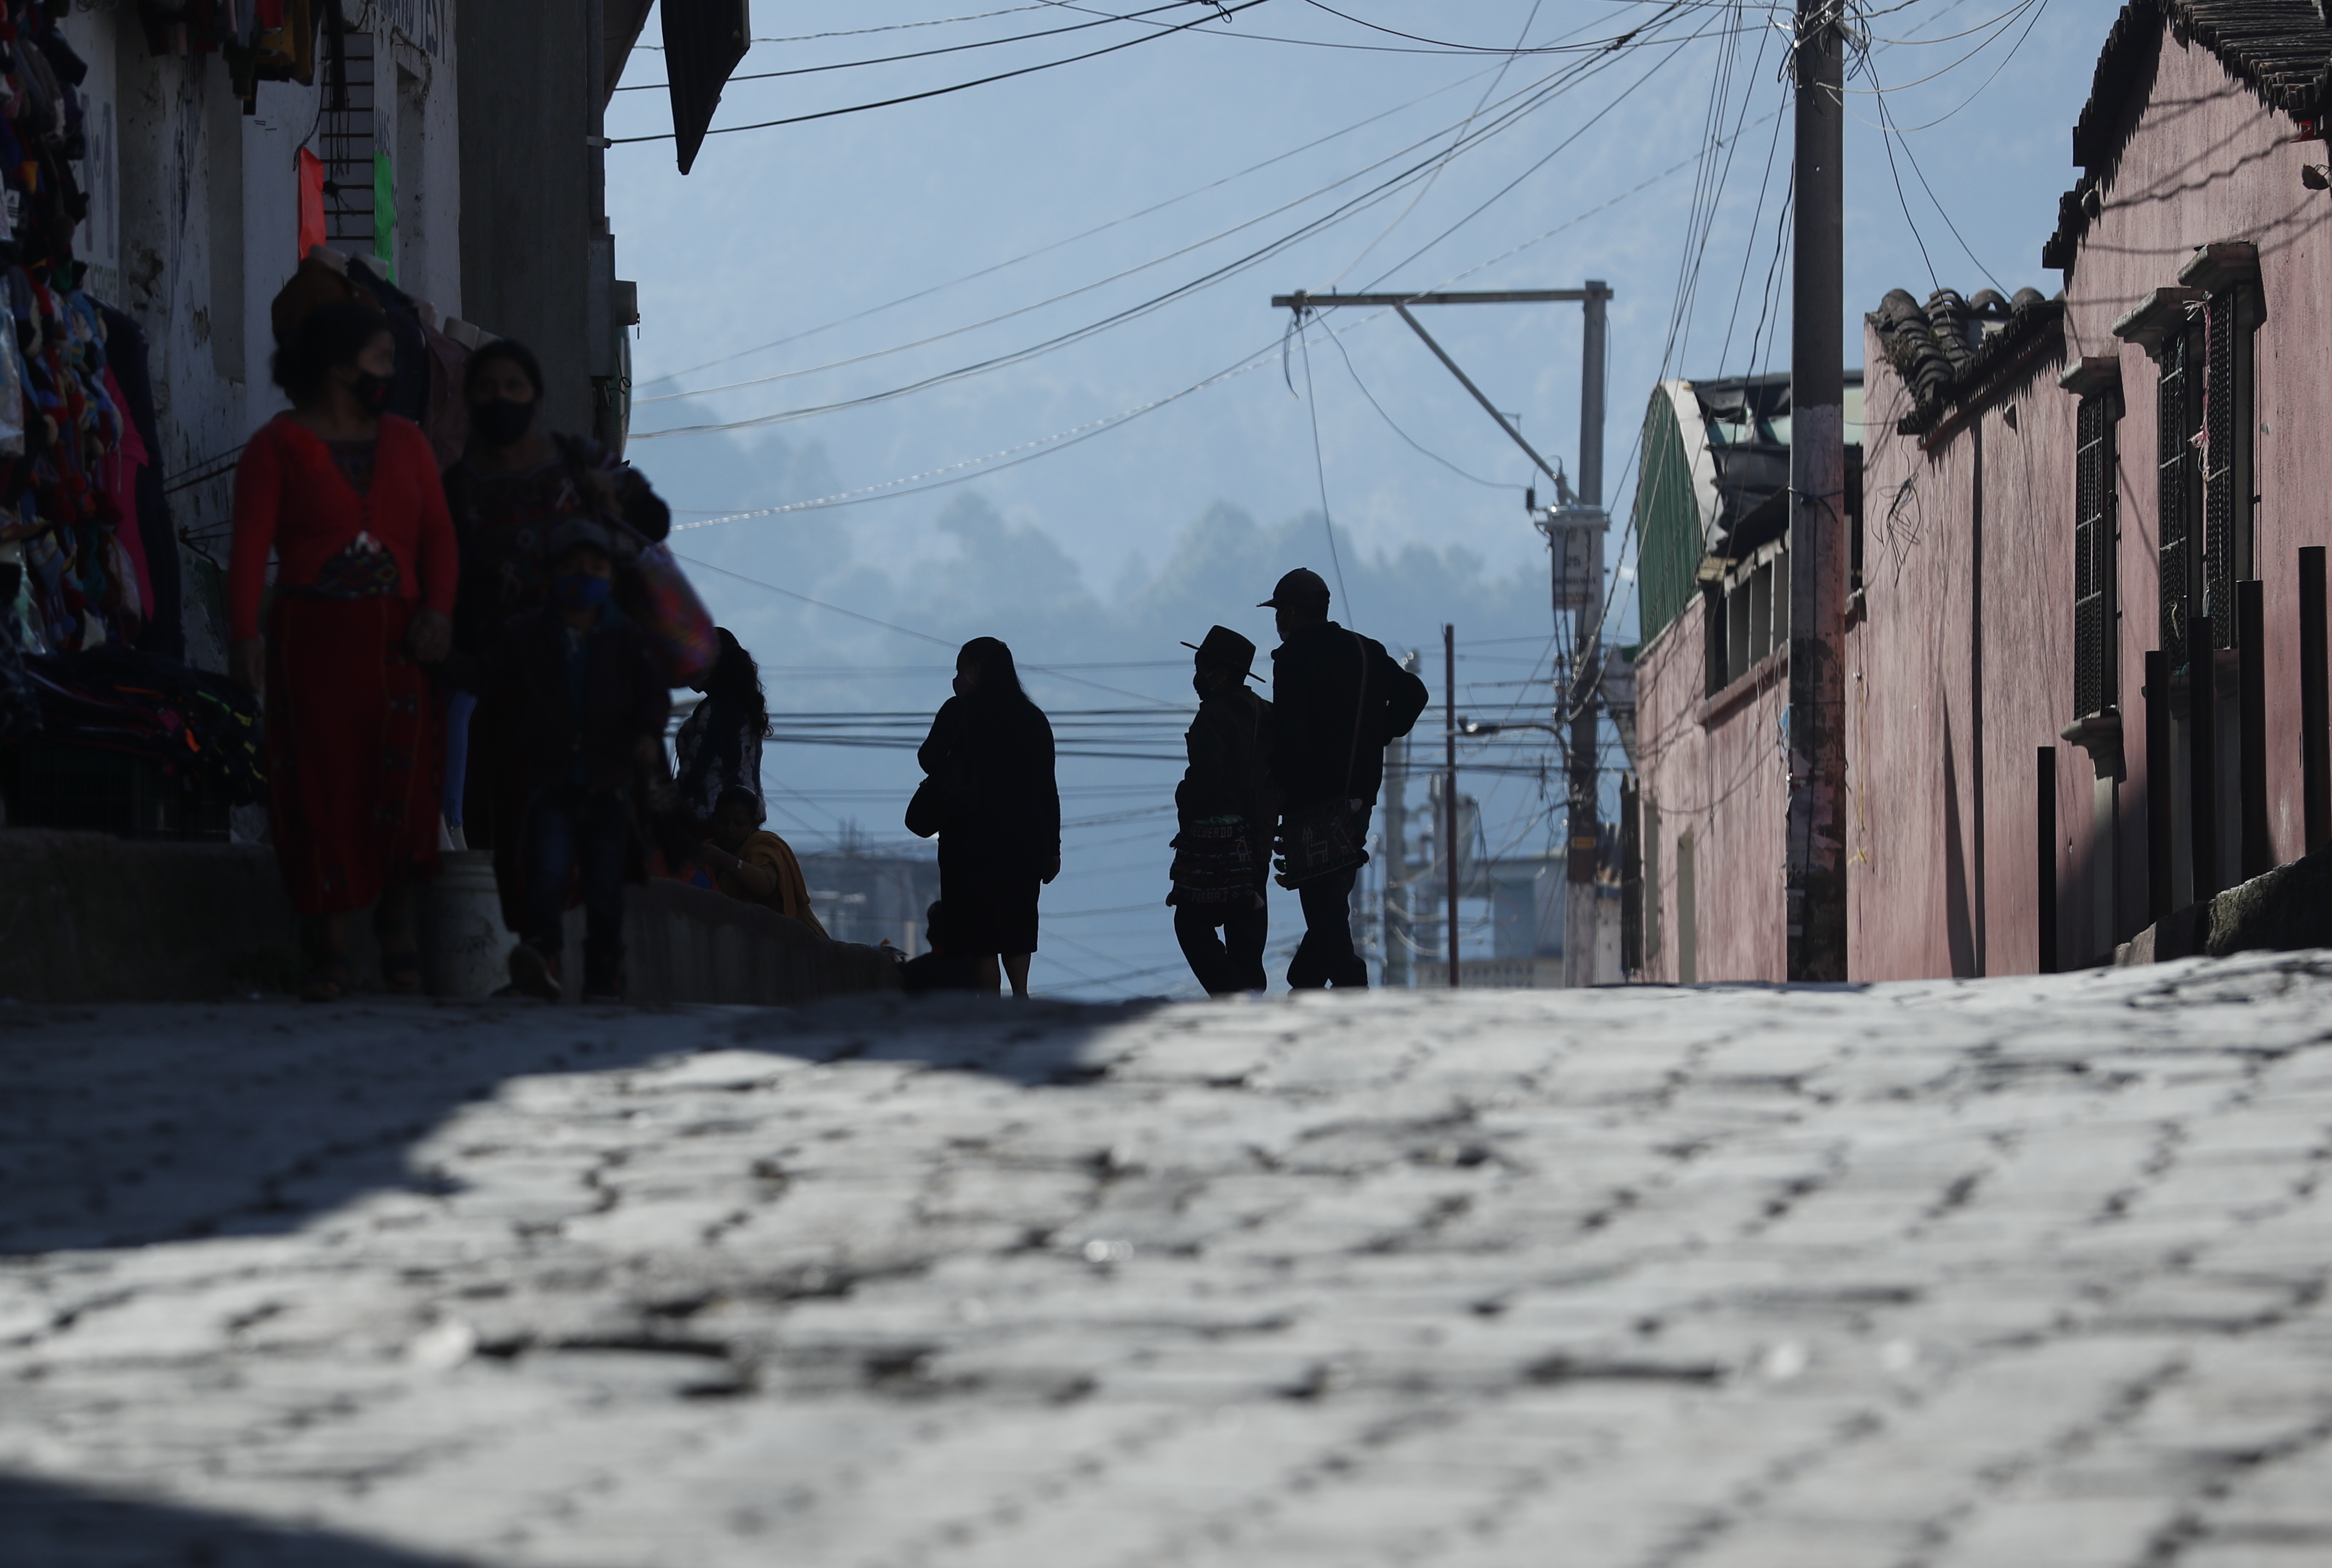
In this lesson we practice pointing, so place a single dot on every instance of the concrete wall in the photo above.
(1713, 774)
(1959, 669)
(525, 239)
(89, 917)
(692, 945)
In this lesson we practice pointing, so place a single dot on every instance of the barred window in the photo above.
(2226, 457)
(2178, 473)
(2096, 528)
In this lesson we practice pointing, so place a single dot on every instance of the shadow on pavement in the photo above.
(122, 1127)
(47, 1524)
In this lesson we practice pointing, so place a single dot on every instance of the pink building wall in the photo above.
(2208, 162)
(1960, 657)
(1716, 771)
(1959, 669)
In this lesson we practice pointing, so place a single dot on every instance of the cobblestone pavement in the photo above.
(2018, 1273)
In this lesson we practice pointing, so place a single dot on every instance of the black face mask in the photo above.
(500, 422)
(371, 391)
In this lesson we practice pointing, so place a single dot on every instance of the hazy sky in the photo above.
(816, 264)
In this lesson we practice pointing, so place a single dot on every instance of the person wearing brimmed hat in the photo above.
(1338, 700)
(587, 703)
(345, 497)
(1225, 810)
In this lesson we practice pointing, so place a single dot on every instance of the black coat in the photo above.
(994, 763)
(625, 698)
(1324, 678)
(1229, 774)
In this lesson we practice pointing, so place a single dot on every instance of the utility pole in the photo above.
(1449, 785)
(1586, 562)
(1574, 527)
(1816, 835)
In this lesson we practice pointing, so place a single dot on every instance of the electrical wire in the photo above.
(1524, 101)
(931, 53)
(1083, 234)
(1231, 10)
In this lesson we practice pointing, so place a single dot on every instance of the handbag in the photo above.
(1324, 839)
(927, 810)
(661, 602)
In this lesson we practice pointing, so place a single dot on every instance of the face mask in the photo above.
(580, 591)
(371, 391)
(500, 422)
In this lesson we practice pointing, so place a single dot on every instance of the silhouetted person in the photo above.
(719, 747)
(942, 969)
(587, 704)
(1227, 809)
(1337, 700)
(990, 756)
(751, 863)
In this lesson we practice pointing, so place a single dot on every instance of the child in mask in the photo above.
(587, 704)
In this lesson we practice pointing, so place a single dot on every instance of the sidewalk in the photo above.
(2012, 1273)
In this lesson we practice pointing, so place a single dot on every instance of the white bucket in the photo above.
(469, 948)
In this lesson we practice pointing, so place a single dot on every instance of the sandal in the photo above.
(401, 972)
(327, 982)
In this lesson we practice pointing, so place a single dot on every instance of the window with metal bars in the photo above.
(2226, 455)
(2178, 495)
(346, 142)
(2096, 525)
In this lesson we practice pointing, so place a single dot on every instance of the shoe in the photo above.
(603, 987)
(533, 974)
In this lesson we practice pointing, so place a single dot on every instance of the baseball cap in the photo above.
(1300, 587)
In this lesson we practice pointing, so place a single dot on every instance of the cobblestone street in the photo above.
(2023, 1272)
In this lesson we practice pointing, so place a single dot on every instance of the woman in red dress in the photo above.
(348, 500)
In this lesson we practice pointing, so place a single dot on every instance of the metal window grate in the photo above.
(347, 143)
(2221, 432)
(2176, 472)
(2096, 527)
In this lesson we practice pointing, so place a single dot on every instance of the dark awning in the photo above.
(704, 39)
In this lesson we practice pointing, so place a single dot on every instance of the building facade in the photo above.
(2074, 680)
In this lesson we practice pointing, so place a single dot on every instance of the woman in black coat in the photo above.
(990, 756)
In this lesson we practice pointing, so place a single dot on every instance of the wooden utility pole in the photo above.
(1816, 835)
(1449, 785)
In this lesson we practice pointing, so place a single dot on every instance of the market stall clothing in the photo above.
(292, 496)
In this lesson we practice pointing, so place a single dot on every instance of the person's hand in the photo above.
(430, 638)
(1053, 867)
(247, 662)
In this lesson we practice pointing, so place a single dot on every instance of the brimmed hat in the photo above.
(1225, 649)
(1300, 588)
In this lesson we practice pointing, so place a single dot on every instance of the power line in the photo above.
(1085, 234)
(942, 92)
(931, 53)
(1536, 95)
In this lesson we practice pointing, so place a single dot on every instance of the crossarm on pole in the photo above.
(1561, 485)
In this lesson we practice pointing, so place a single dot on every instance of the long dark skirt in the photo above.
(352, 751)
(990, 899)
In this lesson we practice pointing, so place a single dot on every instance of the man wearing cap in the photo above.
(1228, 809)
(1338, 700)
(588, 704)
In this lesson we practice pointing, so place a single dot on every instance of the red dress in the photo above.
(354, 735)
